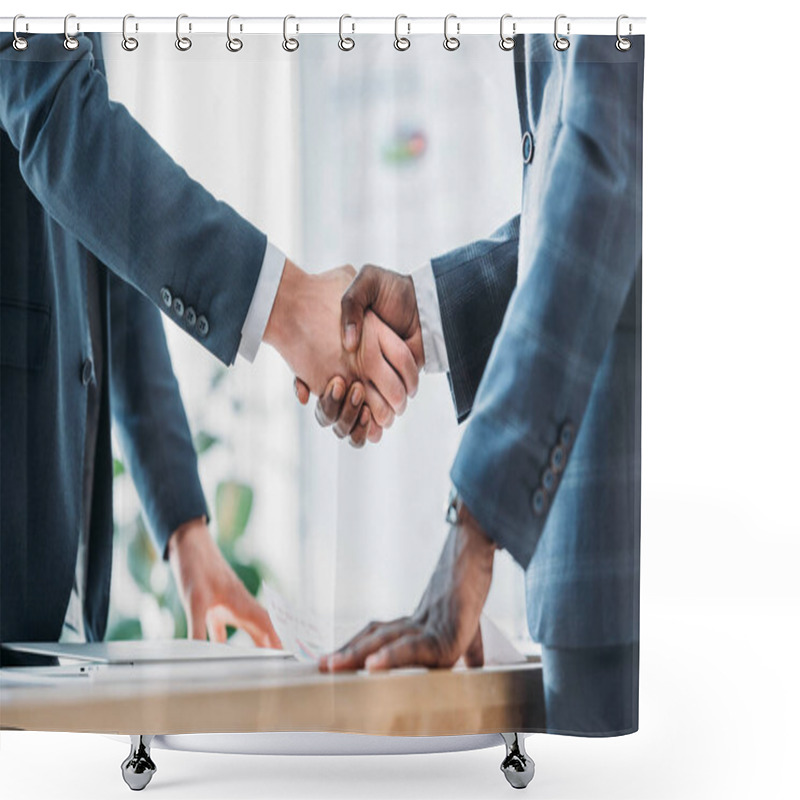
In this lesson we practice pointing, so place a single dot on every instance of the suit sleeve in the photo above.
(100, 175)
(474, 284)
(148, 412)
(583, 252)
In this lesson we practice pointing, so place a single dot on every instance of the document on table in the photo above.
(497, 647)
(300, 633)
(304, 633)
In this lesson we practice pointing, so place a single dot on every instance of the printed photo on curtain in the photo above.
(321, 388)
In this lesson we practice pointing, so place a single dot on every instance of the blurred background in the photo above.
(372, 156)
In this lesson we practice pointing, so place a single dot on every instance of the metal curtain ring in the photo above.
(560, 42)
(233, 44)
(19, 43)
(129, 43)
(183, 43)
(346, 43)
(290, 44)
(507, 42)
(401, 42)
(622, 44)
(451, 42)
(70, 42)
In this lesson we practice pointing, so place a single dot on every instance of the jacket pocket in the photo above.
(24, 334)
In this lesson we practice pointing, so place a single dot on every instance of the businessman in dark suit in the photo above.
(100, 228)
(539, 330)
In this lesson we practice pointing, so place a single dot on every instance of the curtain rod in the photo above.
(407, 26)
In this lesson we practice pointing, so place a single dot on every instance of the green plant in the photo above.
(233, 504)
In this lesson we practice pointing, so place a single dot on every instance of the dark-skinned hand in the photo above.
(391, 297)
(446, 624)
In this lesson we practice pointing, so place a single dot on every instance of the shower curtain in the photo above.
(185, 360)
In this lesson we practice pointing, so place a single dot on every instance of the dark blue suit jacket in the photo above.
(542, 323)
(81, 181)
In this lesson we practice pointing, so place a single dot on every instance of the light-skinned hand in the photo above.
(211, 593)
(305, 327)
(391, 297)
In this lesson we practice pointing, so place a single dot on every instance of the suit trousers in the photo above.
(591, 691)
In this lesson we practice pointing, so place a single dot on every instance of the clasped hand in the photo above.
(380, 304)
(361, 368)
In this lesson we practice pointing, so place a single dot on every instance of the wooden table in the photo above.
(145, 700)
(277, 695)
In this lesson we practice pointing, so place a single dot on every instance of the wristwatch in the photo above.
(452, 513)
(458, 514)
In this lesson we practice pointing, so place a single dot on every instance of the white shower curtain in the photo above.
(333, 184)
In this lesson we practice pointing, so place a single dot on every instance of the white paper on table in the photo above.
(301, 634)
(497, 647)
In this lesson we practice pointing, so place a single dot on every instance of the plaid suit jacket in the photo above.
(81, 182)
(542, 323)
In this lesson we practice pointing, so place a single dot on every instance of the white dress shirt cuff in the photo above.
(261, 305)
(430, 320)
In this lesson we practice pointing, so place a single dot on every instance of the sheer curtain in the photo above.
(374, 170)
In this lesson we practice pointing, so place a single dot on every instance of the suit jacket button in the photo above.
(87, 372)
(202, 326)
(190, 316)
(558, 457)
(549, 480)
(177, 306)
(527, 147)
(567, 435)
(166, 296)
(539, 502)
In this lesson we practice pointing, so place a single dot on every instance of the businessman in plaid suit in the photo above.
(539, 330)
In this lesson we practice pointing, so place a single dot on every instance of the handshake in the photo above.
(354, 341)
